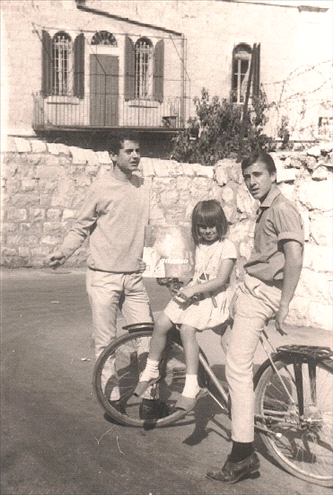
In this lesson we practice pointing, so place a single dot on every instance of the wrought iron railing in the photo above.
(105, 111)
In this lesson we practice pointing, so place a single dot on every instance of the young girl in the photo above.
(214, 260)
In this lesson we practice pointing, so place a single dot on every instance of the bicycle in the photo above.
(293, 395)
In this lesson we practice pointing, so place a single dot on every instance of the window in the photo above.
(245, 57)
(104, 38)
(240, 72)
(143, 68)
(62, 64)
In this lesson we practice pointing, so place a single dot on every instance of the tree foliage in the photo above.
(214, 133)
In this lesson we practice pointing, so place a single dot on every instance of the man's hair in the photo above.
(262, 157)
(115, 142)
(210, 214)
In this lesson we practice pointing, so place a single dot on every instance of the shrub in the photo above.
(214, 133)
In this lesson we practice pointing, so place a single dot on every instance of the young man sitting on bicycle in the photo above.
(271, 277)
(114, 216)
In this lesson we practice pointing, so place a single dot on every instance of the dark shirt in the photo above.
(278, 220)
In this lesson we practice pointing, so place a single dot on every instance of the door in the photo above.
(104, 90)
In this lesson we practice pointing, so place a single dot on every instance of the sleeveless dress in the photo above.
(204, 314)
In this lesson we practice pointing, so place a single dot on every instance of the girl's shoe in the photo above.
(144, 385)
(188, 403)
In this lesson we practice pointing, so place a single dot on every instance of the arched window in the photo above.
(240, 71)
(104, 38)
(143, 68)
(62, 64)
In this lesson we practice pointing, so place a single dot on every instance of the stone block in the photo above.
(321, 228)
(314, 151)
(63, 149)
(174, 168)
(160, 168)
(49, 171)
(316, 195)
(38, 146)
(103, 157)
(31, 228)
(320, 173)
(147, 166)
(68, 214)
(28, 185)
(51, 240)
(318, 258)
(53, 148)
(53, 214)
(315, 285)
(227, 194)
(52, 228)
(78, 155)
(244, 201)
(36, 214)
(8, 145)
(16, 214)
(285, 175)
(14, 240)
(22, 145)
(321, 315)
(22, 200)
(169, 198)
(8, 227)
(24, 252)
(91, 157)
(188, 169)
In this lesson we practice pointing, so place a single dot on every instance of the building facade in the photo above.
(96, 65)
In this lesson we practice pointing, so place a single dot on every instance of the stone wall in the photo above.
(45, 184)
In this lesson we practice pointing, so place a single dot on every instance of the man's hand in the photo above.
(56, 259)
(142, 265)
(280, 317)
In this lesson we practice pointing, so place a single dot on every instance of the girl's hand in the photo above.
(188, 292)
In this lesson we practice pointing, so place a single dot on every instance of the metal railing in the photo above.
(103, 111)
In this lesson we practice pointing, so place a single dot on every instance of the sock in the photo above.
(191, 387)
(151, 370)
(240, 451)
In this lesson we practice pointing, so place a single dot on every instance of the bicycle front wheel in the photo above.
(118, 369)
(296, 407)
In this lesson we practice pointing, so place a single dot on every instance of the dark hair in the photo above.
(208, 213)
(115, 142)
(262, 157)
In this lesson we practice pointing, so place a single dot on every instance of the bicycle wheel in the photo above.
(120, 365)
(298, 412)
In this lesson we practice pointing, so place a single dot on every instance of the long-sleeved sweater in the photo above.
(114, 214)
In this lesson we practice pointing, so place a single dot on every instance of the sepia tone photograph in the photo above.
(166, 247)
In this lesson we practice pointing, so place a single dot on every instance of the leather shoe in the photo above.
(153, 409)
(232, 472)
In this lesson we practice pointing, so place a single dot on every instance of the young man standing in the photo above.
(114, 216)
(271, 277)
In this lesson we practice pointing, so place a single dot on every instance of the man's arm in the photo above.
(293, 252)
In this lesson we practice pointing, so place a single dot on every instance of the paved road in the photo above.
(55, 440)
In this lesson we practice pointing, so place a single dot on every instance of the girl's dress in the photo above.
(213, 310)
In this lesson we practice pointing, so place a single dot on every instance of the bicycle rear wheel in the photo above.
(127, 356)
(298, 412)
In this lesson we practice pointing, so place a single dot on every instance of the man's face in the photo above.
(258, 180)
(128, 158)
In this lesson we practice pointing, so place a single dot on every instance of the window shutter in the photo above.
(129, 69)
(79, 66)
(158, 71)
(256, 71)
(46, 64)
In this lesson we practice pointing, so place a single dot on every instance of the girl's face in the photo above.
(207, 234)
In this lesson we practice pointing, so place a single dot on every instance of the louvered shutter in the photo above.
(46, 64)
(79, 66)
(256, 71)
(158, 71)
(129, 69)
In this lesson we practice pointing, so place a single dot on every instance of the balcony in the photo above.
(98, 111)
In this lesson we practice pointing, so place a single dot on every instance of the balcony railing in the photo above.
(107, 111)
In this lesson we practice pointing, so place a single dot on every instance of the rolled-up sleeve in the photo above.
(289, 225)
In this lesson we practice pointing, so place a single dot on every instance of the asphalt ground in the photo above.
(55, 439)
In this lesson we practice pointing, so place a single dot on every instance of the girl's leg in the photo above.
(191, 350)
(157, 345)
